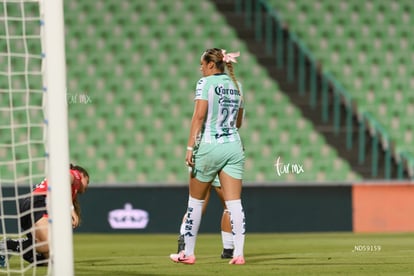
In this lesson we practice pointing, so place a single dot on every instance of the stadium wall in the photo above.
(268, 209)
(362, 207)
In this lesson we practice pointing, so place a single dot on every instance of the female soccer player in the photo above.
(214, 148)
(37, 220)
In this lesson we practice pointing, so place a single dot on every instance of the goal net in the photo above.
(32, 89)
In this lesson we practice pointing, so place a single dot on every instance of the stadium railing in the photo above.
(301, 67)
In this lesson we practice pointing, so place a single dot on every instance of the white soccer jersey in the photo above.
(224, 102)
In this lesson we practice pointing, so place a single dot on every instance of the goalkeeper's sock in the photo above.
(19, 244)
(13, 245)
(39, 258)
(26, 243)
(192, 222)
(237, 219)
(28, 256)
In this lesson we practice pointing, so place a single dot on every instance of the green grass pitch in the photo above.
(266, 254)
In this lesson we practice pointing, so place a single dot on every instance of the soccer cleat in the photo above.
(3, 260)
(239, 260)
(227, 253)
(3, 253)
(181, 258)
(181, 244)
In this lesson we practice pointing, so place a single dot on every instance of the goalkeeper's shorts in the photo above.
(37, 210)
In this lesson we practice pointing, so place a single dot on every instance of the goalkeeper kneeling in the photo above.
(35, 220)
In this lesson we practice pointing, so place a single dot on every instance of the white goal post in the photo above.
(57, 139)
(34, 123)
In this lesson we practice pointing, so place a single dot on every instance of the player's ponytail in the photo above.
(230, 69)
(229, 59)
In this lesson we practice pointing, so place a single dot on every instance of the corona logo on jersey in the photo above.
(128, 218)
(220, 91)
